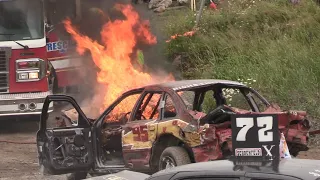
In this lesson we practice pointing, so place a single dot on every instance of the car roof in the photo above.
(186, 84)
(300, 168)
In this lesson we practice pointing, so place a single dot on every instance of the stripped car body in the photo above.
(182, 126)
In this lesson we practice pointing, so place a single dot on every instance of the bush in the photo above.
(271, 41)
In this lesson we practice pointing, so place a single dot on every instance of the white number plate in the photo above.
(248, 152)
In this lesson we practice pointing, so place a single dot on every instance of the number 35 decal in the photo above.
(248, 123)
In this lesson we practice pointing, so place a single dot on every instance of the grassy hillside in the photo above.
(273, 42)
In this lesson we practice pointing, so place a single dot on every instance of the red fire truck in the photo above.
(37, 56)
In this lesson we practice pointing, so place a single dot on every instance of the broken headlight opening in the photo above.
(32, 69)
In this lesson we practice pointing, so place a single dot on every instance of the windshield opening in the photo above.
(21, 20)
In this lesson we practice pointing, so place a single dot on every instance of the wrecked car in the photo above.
(158, 127)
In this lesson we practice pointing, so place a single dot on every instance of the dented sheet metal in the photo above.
(205, 141)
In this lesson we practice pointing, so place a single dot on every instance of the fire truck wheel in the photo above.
(172, 157)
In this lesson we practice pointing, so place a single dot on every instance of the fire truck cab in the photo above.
(37, 56)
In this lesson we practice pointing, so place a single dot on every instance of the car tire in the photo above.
(172, 157)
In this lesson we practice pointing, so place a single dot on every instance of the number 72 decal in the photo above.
(248, 122)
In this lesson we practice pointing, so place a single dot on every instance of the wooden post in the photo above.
(199, 13)
(78, 9)
(193, 5)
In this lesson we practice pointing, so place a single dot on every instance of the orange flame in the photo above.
(119, 39)
(186, 34)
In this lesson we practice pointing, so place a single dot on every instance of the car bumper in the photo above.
(23, 103)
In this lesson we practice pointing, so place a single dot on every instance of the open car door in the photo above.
(68, 148)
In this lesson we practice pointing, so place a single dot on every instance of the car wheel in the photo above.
(172, 157)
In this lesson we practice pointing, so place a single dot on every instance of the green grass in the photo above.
(271, 41)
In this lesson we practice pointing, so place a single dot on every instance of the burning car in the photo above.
(157, 127)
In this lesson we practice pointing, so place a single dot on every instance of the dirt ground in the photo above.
(20, 160)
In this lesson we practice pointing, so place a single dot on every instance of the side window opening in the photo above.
(209, 102)
(188, 98)
(148, 109)
(123, 109)
(66, 116)
(169, 108)
(235, 98)
(210, 99)
(232, 97)
(191, 99)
